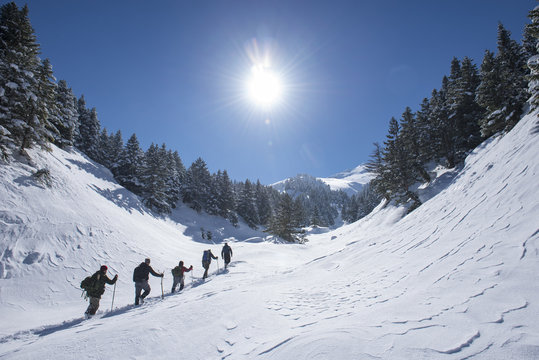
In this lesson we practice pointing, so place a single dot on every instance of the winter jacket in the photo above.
(178, 271)
(142, 272)
(101, 279)
(226, 253)
(206, 263)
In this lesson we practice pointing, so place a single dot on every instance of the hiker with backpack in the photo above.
(226, 254)
(178, 272)
(141, 277)
(95, 287)
(206, 261)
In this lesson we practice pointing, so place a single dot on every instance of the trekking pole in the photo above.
(162, 292)
(113, 293)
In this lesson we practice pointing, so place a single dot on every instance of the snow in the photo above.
(458, 278)
(351, 181)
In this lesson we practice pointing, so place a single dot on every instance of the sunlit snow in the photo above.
(458, 278)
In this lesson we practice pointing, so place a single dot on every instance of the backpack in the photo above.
(176, 271)
(90, 284)
(206, 256)
(138, 273)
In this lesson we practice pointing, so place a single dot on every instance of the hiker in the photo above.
(141, 277)
(177, 272)
(206, 261)
(97, 288)
(226, 254)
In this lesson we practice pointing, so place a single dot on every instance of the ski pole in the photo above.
(217, 265)
(113, 293)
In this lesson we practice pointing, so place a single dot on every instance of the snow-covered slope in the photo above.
(455, 279)
(350, 181)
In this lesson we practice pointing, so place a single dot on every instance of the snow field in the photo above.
(455, 279)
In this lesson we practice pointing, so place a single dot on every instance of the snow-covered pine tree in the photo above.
(131, 165)
(502, 91)
(66, 117)
(23, 79)
(104, 149)
(533, 62)
(283, 223)
(88, 137)
(399, 164)
(263, 204)
(410, 137)
(176, 177)
(154, 177)
(226, 202)
(246, 205)
(197, 185)
(116, 146)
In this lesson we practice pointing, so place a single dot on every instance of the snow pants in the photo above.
(139, 286)
(227, 260)
(177, 280)
(206, 266)
(94, 305)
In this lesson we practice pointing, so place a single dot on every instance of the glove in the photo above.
(162, 275)
(191, 268)
(115, 276)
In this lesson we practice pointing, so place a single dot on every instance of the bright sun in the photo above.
(264, 87)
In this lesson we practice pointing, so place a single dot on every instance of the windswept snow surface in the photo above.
(455, 279)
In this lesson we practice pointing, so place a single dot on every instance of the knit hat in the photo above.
(104, 268)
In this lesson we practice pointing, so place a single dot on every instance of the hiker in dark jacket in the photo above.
(141, 277)
(206, 261)
(226, 254)
(100, 278)
(178, 272)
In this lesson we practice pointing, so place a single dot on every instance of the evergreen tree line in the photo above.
(35, 110)
(471, 105)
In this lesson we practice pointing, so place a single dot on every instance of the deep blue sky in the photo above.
(173, 71)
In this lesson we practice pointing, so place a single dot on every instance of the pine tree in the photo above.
(283, 223)
(116, 146)
(226, 200)
(131, 165)
(533, 61)
(26, 83)
(400, 167)
(377, 166)
(154, 179)
(197, 185)
(502, 91)
(263, 205)
(66, 117)
(89, 135)
(246, 206)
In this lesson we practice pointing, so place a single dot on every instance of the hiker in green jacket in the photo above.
(99, 278)
(178, 273)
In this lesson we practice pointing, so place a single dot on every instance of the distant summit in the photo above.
(349, 181)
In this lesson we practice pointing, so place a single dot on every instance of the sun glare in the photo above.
(264, 87)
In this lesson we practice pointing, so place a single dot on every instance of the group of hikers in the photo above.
(95, 284)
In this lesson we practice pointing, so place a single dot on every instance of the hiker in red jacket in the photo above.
(178, 272)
